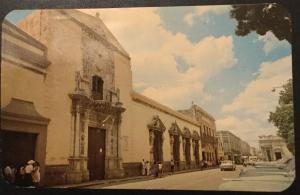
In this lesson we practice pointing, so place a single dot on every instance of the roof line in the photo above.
(143, 99)
(96, 35)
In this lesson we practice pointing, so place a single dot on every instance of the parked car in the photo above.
(227, 165)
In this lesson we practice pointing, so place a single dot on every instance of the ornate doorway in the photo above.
(186, 137)
(156, 129)
(175, 134)
(96, 153)
(157, 147)
(196, 139)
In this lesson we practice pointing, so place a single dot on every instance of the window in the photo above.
(97, 87)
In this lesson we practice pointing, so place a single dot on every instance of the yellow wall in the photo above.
(139, 133)
(66, 57)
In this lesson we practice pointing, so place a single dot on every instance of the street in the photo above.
(198, 180)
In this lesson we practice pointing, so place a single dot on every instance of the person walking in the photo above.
(155, 169)
(143, 167)
(148, 168)
(172, 166)
(160, 169)
(28, 170)
(8, 173)
(36, 175)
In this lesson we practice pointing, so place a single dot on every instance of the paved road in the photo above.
(199, 180)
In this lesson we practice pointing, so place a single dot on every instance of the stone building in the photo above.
(207, 132)
(253, 151)
(67, 101)
(273, 148)
(231, 145)
(221, 154)
(245, 148)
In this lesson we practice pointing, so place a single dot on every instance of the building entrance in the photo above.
(17, 147)
(157, 147)
(278, 155)
(96, 153)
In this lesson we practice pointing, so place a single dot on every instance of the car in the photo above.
(227, 165)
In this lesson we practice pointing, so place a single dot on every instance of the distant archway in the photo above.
(175, 134)
(156, 129)
(196, 139)
(186, 137)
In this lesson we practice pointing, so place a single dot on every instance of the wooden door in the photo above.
(96, 153)
(17, 147)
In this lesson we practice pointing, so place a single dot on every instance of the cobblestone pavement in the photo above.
(198, 180)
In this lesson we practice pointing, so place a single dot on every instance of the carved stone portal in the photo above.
(156, 129)
(82, 109)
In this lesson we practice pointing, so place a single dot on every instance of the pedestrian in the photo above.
(155, 169)
(172, 166)
(148, 168)
(8, 173)
(36, 175)
(160, 169)
(20, 176)
(28, 170)
(143, 167)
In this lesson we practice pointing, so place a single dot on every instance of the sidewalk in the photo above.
(116, 181)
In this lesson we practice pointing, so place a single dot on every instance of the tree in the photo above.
(262, 18)
(283, 117)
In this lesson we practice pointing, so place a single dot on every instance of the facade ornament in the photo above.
(156, 124)
(186, 133)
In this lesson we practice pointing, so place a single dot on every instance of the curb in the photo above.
(128, 179)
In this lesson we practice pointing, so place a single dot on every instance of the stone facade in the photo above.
(76, 79)
(231, 143)
(245, 148)
(273, 148)
(233, 147)
(209, 142)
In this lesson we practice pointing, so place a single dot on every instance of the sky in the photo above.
(181, 55)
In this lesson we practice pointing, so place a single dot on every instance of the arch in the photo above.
(186, 137)
(156, 129)
(196, 138)
(175, 134)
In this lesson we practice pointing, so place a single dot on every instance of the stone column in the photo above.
(171, 145)
(84, 145)
(151, 142)
(74, 174)
(119, 151)
(77, 130)
(72, 146)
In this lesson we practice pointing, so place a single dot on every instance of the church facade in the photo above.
(66, 94)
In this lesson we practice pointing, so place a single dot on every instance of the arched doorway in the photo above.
(156, 129)
(186, 137)
(175, 133)
(196, 139)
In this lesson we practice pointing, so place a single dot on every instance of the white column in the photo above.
(72, 133)
(77, 133)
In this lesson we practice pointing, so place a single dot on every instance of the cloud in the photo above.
(248, 113)
(154, 50)
(271, 42)
(247, 129)
(201, 10)
(257, 97)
